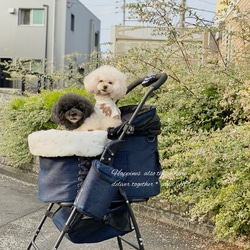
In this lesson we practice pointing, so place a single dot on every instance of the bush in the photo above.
(204, 109)
(24, 115)
(203, 100)
(212, 170)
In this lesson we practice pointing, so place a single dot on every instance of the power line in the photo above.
(214, 4)
(208, 21)
(202, 10)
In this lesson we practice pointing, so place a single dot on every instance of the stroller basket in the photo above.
(137, 162)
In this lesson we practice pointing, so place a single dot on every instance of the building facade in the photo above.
(230, 24)
(46, 31)
(124, 38)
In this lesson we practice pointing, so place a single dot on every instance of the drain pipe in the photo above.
(182, 15)
(46, 36)
(53, 35)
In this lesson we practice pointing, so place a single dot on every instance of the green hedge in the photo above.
(212, 171)
(23, 115)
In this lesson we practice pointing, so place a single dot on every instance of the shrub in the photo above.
(204, 108)
(212, 170)
(24, 115)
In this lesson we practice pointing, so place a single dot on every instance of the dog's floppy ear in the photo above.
(119, 86)
(90, 82)
(54, 114)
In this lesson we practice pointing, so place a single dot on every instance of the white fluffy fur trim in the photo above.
(54, 143)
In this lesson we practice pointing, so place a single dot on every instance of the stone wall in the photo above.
(166, 212)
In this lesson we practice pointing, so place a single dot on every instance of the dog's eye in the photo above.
(110, 83)
(101, 81)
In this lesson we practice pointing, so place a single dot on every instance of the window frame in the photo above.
(31, 11)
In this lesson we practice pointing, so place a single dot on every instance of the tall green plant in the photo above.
(212, 170)
(205, 159)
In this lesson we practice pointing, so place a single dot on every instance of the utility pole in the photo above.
(124, 10)
(182, 15)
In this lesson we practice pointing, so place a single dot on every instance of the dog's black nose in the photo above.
(105, 87)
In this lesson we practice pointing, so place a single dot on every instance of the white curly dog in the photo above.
(107, 84)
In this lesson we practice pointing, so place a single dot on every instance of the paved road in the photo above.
(21, 211)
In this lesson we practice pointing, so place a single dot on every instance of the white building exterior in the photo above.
(46, 30)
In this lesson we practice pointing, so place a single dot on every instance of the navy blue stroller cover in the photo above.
(137, 163)
(98, 190)
(89, 230)
(58, 178)
(93, 186)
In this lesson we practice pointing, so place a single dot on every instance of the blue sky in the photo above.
(110, 12)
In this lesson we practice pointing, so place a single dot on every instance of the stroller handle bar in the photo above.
(112, 147)
(157, 78)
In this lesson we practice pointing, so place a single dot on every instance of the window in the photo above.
(31, 65)
(25, 17)
(72, 22)
(38, 16)
(5, 81)
(96, 39)
(31, 17)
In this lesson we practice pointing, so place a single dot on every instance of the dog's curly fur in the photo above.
(71, 110)
(106, 81)
(107, 84)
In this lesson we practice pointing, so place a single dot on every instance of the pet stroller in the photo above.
(93, 186)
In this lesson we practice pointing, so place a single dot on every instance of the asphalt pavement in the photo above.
(21, 212)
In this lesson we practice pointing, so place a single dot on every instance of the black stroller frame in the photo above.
(107, 157)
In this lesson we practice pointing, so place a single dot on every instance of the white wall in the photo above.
(17, 41)
(80, 40)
